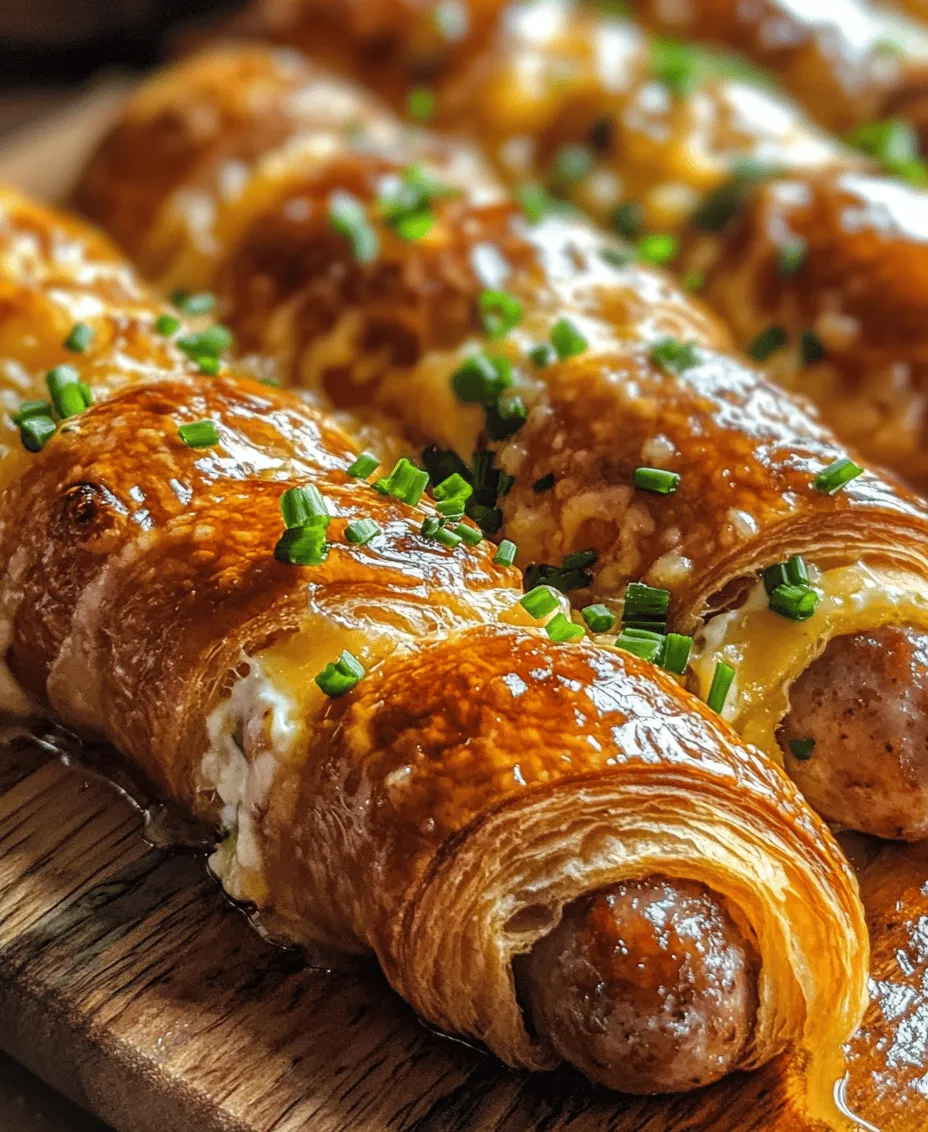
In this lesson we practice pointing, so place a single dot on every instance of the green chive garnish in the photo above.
(541, 356)
(544, 483)
(80, 338)
(506, 553)
(304, 507)
(811, 349)
(364, 465)
(656, 479)
(643, 643)
(628, 219)
(720, 206)
(536, 202)
(795, 602)
(721, 683)
(499, 312)
(836, 475)
(32, 409)
(658, 248)
(209, 365)
(341, 676)
(35, 432)
(802, 748)
(361, 531)
(302, 546)
(471, 536)
(694, 281)
(567, 340)
(599, 619)
(895, 144)
(676, 653)
(792, 256)
(794, 572)
(481, 379)
(201, 302)
(540, 601)
(572, 164)
(209, 343)
(505, 418)
(405, 482)
(561, 629)
(349, 218)
(645, 606)
(766, 344)
(167, 324)
(616, 257)
(673, 355)
(199, 434)
(454, 486)
(488, 519)
(420, 103)
(451, 539)
(679, 66)
(63, 384)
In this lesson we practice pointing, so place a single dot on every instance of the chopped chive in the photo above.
(643, 643)
(811, 349)
(364, 465)
(488, 519)
(628, 219)
(505, 553)
(544, 483)
(694, 281)
(774, 577)
(797, 571)
(561, 629)
(193, 303)
(536, 202)
(348, 216)
(441, 463)
(836, 475)
(792, 256)
(455, 485)
(894, 142)
(302, 546)
(405, 482)
(167, 324)
(599, 619)
(658, 248)
(209, 365)
(304, 507)
(200, 434)
(86, 393)
(673, 355)
(340, 676)
(567, 340)
(678, 66)
(35, 432)
(63, 384)
(572, 164)
(721, 683)
(80, 338)
(414, 225)
(32, 409)
(766, 344)
(676, 653)
(802, 748)
(470, 535)
(541, 356)
(656, 479)
(795, 602)
(540, 601)
(451, 539)
(645, 603)
(720, 206)
(570, 575)
(361, 531)
(499, 312)
(481, 379)
(505, 418)
(452, 510)
(430, 526)
(420, 103)
(617, 257)
(579, 560)
(209, 343)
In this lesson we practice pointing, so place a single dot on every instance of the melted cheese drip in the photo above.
(768, 652)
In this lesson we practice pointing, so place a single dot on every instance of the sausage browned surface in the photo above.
(645, 986)
(864, 703)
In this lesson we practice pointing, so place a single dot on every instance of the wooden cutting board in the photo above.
(128, 982)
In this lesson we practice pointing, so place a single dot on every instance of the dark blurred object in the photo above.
(54, 41)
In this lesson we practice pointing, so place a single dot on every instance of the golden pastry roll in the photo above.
(584, 101)
(399, 758)
(825, 279)
(604, 423)
(848, 62)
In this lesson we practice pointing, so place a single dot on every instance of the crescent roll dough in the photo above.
(477, 778)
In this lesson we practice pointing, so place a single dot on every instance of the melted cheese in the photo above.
(768, 652)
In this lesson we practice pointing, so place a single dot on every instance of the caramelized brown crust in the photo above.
(418, 815)
(859, 285)
(846, 61)
(391, 333)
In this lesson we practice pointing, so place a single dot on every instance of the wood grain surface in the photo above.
(128, 982)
